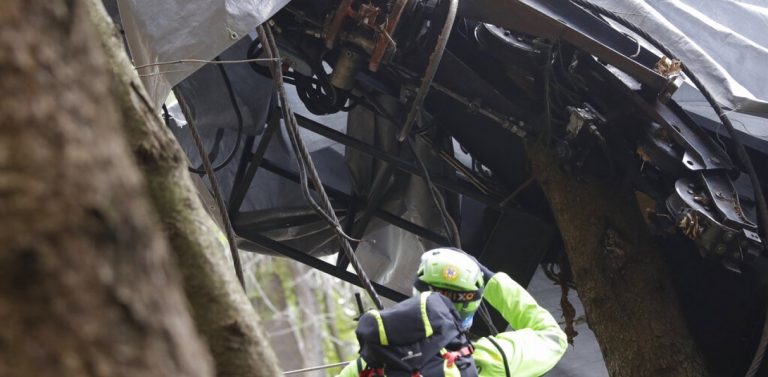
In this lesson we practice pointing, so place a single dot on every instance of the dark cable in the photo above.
(240, 124)
(485, 315)
(451, 230)
(741, 152)
(219, 200)
(503, 356)
(306, 165)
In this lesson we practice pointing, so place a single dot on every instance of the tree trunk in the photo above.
(622, 281)
(222, 312)
(87, 287)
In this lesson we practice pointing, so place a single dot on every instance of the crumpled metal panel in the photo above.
(724, 42)
(169, 30)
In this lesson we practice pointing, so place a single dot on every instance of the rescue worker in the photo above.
(536, 342)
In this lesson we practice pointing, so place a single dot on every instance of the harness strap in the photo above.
(371, 372)
(453, 355)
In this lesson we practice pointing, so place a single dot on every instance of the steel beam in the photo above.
(378, 189)
(321, 265)
(239, 189)
(397, 162)
(563, 20)
(346, 198)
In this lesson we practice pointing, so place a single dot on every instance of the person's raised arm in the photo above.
(536, 343)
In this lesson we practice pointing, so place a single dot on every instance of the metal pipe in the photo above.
(429, 74)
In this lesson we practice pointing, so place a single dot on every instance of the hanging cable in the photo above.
(434, 62)
(217, 195)
(306, 166)
(240, 125)
(451, 230)
(741, 152)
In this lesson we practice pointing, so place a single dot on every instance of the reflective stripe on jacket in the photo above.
(534, 346)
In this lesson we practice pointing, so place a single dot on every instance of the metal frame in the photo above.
(359, 211)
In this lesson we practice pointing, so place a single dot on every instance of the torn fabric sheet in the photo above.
(170, 30)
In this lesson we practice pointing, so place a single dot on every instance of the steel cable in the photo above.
(217, 195)
(306, 165)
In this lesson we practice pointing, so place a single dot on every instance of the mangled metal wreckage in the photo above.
(415, 114)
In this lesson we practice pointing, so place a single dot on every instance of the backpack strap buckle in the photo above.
(462, 352)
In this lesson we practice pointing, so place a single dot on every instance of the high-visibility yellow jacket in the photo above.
(533, 347)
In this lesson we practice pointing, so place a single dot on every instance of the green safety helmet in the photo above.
(455, 275)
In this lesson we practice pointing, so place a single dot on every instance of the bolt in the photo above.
(690, 192)
(720, 249)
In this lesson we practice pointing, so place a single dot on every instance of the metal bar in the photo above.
(321, 265)
(268, 220)
(413, 228)
(378, 189)
(381, 214)
(701, 152)
(241, 166)
(398, 163)
(429, 73)
(341, 260)
(563, 20)
(239, 189)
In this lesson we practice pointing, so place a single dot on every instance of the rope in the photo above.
(320, 367)
(306, 166)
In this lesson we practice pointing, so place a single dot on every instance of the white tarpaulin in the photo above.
(724, 42)
(170, 30)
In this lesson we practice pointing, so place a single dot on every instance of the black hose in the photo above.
(741, 152)
(240, 124)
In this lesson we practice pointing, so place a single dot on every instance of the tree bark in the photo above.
(222, 312)
(87, 287)
(621, 279)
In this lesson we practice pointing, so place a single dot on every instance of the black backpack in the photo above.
(419, 336)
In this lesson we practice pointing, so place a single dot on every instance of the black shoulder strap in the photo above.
(503, 355)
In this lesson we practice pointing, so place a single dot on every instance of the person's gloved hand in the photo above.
(487, 273)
